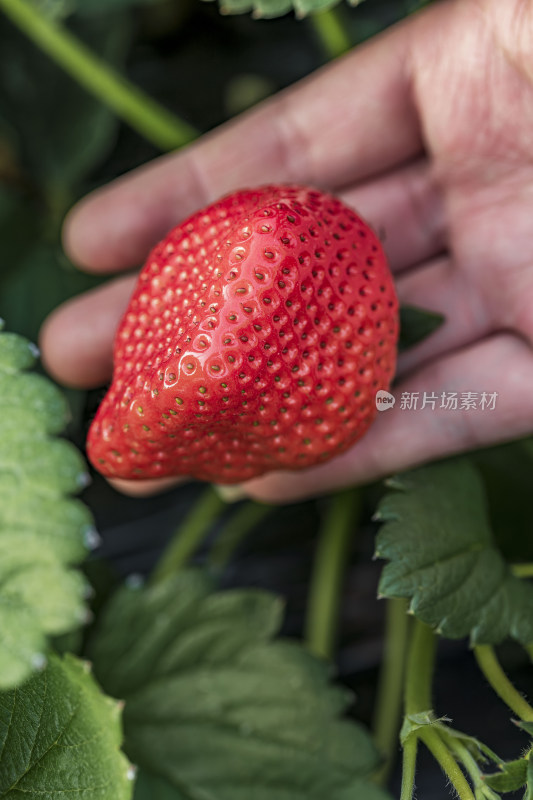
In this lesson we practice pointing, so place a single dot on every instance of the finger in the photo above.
(401, 439)
(351, 120)
(76, 340)
(406, 209)
(146, 488)
(406, 205)
(443, 287)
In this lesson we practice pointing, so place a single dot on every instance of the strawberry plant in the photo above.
(241, 650)
(44, 531)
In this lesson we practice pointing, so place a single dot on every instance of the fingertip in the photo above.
(72, 238)
(281, 488)
(357, 465)
(86, 236)
(56, 362)
(76, 340)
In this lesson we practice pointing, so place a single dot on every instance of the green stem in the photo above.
(491, 668)
(151, 120)
(234, 531)
(410, 750)
(471, 765)
(391, 680)
(331, 33)
(523, 570)
(419, 677)
(420, 668)
(529, 650)
(189, 535)
(440, 751)
(326, 579)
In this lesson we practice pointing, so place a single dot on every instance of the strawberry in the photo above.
(256, 339)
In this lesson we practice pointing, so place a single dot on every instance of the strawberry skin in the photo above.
(256, 339)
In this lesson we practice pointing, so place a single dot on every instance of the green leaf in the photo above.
(42, 531)
(60, 737)
(442, 556)
(267, 9)
(506, 472)
(237, 6)
(416, 324)
(413, 723)
(513, 776)
(526, 726)
(153, 787)
(219, 709)
(305, 7)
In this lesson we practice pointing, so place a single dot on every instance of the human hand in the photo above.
(427, 131)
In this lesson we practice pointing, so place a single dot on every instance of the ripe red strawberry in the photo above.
(259, 332)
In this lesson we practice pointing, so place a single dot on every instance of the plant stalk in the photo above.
(234, 531)
(189, 535)
(448, 764)
(391, 680)
(331, 32)
(472, 767)
(522, 570)
(493, 672)
(410, 751)
(418, 685)
(328, 570)
(420, 668)
(145, 115)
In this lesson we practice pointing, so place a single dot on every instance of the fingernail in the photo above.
(230, 494)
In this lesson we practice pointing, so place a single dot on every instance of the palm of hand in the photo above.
(476, 108)
(436, 150)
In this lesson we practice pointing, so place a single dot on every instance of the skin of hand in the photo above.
(427, 130)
